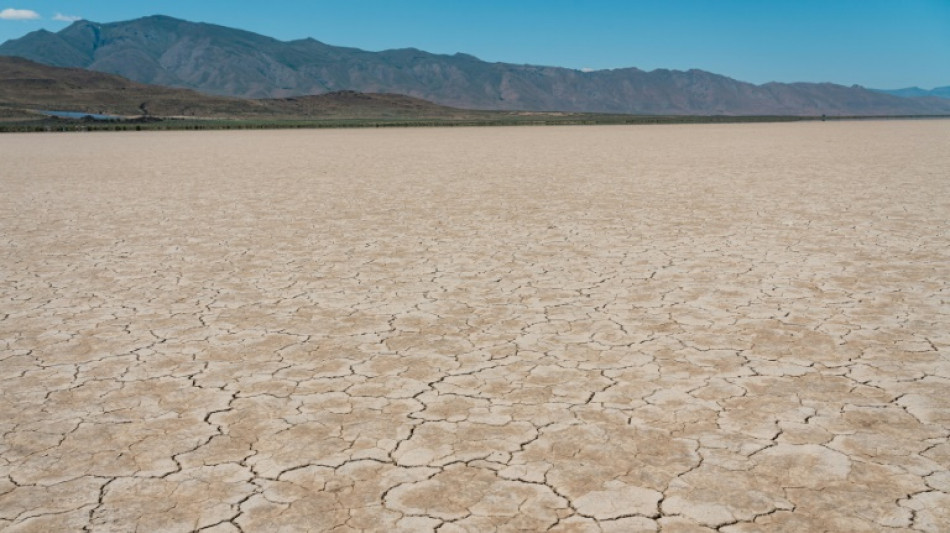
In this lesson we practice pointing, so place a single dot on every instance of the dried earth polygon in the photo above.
(729, 328)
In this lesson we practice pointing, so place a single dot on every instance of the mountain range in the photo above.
(917, 92)
(229, 62)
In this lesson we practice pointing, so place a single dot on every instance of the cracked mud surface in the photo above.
(673, 328)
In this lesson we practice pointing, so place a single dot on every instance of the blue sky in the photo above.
(875, 43)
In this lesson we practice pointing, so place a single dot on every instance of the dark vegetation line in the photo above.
(157, 124)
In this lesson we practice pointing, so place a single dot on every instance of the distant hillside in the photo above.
(917, 92)
(229, 62)
(26, 85)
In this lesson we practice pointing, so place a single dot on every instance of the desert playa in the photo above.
(693, 328)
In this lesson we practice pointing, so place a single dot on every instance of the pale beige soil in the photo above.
(676, 328)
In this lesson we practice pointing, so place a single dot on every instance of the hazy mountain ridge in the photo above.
(917, 92)
(223, 61)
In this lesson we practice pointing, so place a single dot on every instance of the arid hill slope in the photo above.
(25, 85)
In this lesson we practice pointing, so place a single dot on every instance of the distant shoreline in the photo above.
(53, 124)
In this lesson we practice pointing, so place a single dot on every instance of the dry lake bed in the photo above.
(652, 328)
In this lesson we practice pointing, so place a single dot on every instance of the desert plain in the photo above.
(684, 328)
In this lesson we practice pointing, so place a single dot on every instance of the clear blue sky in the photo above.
(880, 44)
